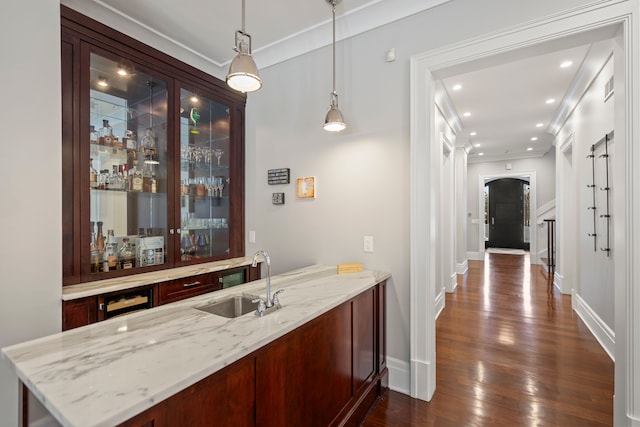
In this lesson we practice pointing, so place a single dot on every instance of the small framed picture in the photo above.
(277, 198)
(306, 187)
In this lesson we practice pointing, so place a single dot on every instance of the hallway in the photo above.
(510, 352)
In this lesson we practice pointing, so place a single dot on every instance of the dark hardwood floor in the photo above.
(510, 352)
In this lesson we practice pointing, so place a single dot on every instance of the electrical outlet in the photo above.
(368, 243)
(252, 236)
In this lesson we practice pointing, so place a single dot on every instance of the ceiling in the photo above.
(505, 95)
(280, 29)
(509, 114)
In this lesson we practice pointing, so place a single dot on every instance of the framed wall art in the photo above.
(306, 187)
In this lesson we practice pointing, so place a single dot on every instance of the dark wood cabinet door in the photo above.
(381, 324)
(304, 378)
(226, 398)
(364, 350)
(79, 312)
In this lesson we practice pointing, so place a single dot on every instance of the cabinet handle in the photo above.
(186, 285)
(101, 306)
(171, 231)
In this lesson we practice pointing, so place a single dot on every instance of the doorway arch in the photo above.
(591, 20)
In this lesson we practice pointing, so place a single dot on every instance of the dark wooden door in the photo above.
(506, 219)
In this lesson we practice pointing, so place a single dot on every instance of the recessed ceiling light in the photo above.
(566, 64)
(194, 99)
(476, 145)
(529, 149)
(122, 72)
(457, 87)
(480, 154)
(473, 133)
(103, 82)
(467, 114)
(535, 138)
(539, 125)
(550, 101)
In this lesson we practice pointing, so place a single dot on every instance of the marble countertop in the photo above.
(119, 283)
(107, 372)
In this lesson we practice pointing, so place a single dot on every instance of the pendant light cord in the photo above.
(333, 8)
(243, 17)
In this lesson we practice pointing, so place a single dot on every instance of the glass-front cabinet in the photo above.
(204, 177)
(153, 160)
(127, 140)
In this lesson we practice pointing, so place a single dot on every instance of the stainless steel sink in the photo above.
(231, 307)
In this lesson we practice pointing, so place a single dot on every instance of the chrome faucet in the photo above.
(265, 255)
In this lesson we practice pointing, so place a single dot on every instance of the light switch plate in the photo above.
(368, 243)
(252, 236)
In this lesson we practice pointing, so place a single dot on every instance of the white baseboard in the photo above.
(558, 282)
(440, 302)
(476, 256)
(462, 267)
(453, 283)
(602, 333)
(399, 375)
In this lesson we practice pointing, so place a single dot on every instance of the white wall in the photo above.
(590, 121)
(462, 226)
(362, 172)
(447, 273)
(30, 182)
(545, 189)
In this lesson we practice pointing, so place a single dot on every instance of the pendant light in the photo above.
(243, 72)
(334, 121)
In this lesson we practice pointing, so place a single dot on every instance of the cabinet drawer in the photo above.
(176, 290)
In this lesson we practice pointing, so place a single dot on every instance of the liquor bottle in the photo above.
(146, 178)
(100, 243)
(111, 250)
(137, 181)
(149, 145)
(93, 175)
(129, 141)
(141, 256)
(93, 135)
(93, 250)
(153, 183)
(106, 134)
(126, 255)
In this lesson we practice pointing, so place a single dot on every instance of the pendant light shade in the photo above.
(334, 122)
(243, 72)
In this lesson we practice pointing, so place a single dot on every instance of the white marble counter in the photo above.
(107, 372)
(119, 283)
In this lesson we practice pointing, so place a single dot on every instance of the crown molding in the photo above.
(597, 57)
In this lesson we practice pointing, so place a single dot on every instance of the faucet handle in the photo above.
(276, 300)
(261, 306)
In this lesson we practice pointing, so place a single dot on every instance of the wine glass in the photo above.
(220, 185)
(218, 153)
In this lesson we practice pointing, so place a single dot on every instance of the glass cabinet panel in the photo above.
(127, 167)
(204, 177)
